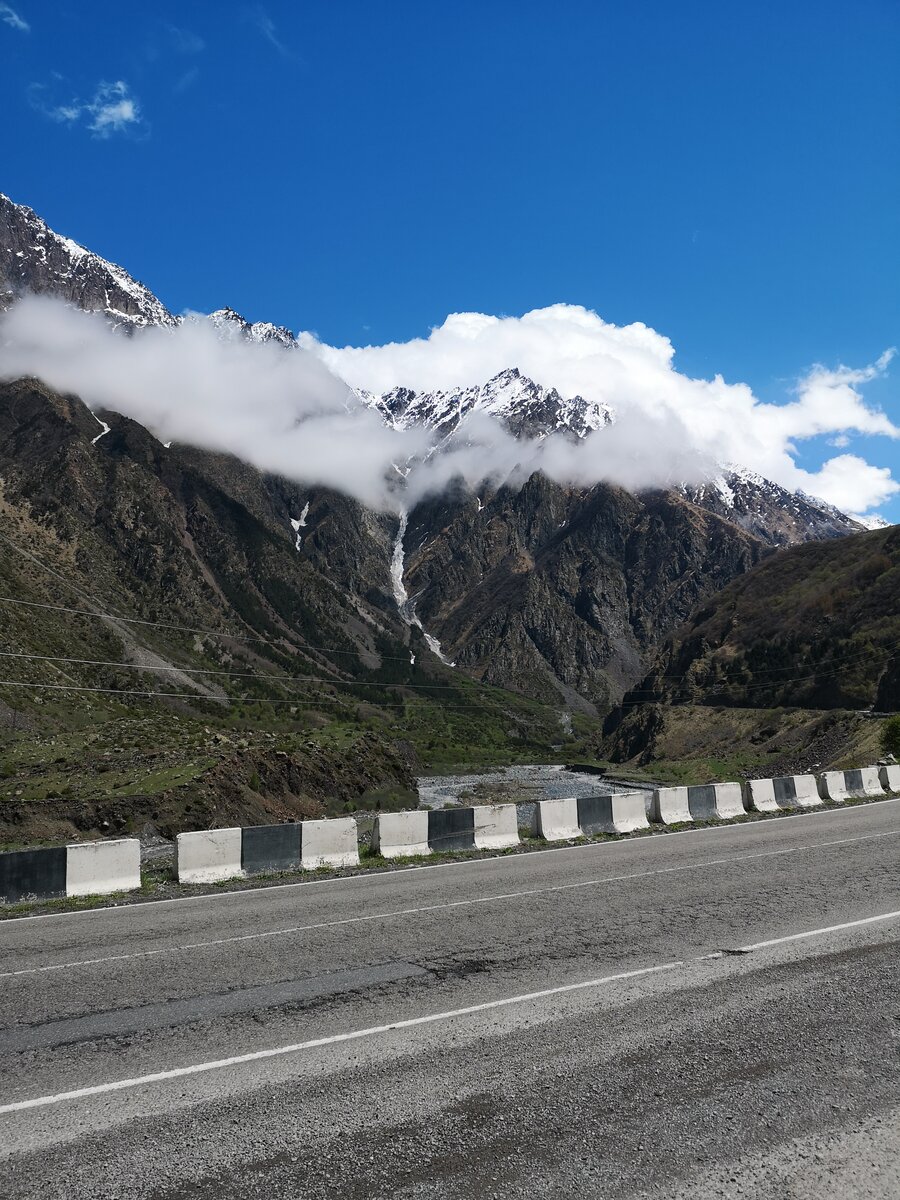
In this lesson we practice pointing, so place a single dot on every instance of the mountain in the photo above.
(814, 627)
(559, 593)
(526, 408)
(35, 259)
(231, 324)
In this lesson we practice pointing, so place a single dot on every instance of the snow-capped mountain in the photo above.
(526, 408)
(35, 259)
(769, 511)
(231, 324)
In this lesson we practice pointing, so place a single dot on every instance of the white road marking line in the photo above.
(810, 933)
(409, 912)
(369, 876)
(315, 1043)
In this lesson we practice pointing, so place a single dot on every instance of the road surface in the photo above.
(578, 1022)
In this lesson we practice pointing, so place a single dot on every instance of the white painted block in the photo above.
(890, 778)
(760, 795)
(729, 801)
(871, 784)
(628, 812)
(98, 868)
(556, 820)
(807, 792)
(496, 826)
(401, 835)
(670, 806)
(327, 843)
(832, 786)
(208, 855)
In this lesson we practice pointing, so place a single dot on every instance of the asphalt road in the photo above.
(566, 1023)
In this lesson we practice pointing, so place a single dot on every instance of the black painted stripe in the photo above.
(785, 789)
(270, 848)
(451, 829)
(594, 814)
(40, 873)
(702, 801)
(853, 782)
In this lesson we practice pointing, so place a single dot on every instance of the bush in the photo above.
(890, 736)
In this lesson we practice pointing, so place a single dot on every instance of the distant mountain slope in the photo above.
(815, 626)
(35, 259)
(560, 593)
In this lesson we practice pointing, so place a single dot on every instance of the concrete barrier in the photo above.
(401, 835)
(268, 848)
(785, 791)
(496, 826)
(451, 829)
(759, 796)
(331, 843)
(621, 812)
(80, 869)
(669, 806)
(889, 778)
(556, 820)
(208, 855)
(715, 802)
(98, 868)
(850, 785)
(33, 873)
(797, 791)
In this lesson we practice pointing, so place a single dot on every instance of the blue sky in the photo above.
(727, 173)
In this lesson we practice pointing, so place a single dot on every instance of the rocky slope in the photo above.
(814, 627)
(35, 259)
(558, 593)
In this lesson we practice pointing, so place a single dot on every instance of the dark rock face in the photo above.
(563, 592)
(204, 540)
(35, 259)
(814, 627)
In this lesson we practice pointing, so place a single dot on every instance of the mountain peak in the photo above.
(33, 258)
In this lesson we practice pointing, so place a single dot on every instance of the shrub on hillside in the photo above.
(890, 736)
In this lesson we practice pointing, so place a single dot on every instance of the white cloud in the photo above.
(10, 17)
(631, 368)
(112, 109)
(283, 412)
(293, 414)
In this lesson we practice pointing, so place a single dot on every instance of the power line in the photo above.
(230, 700)
(100, 662)
(103, 614)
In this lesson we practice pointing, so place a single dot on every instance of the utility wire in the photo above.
(100, 662)
(230, 700)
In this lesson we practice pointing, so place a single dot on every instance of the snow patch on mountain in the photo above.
(405, 605)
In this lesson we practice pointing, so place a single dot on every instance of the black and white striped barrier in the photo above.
(701, 802)
(215, 854)
(436, 830)
(850, 785)
(572, 817)
(79, 869)
(889, 778)
(786, 791)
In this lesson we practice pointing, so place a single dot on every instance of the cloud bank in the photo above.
(631, 369)
(294, 413)
(283, 412)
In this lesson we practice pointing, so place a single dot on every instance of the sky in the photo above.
(726, 175)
